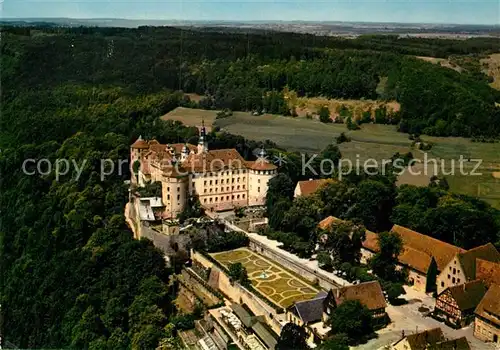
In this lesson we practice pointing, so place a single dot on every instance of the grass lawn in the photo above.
(372, 141)
(272, 280)
(191, 117)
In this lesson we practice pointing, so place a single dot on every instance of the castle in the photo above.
(221, 179)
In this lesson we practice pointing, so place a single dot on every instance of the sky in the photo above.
(406, 11)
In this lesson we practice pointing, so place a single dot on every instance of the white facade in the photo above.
(221, 179)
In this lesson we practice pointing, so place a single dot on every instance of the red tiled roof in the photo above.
(490, 304)
(260, 165)
(369, 294)
(416, 259)
(327, 222)
(441, 251)
(468, 295)
(214, 160)
(452, 344)
(371, 241)
(310, 186)
(488, 272)
(486, 252)
(418, 249)
(423, 339)
(140, 144)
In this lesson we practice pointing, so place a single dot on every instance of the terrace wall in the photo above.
(198, 289)
(239, 294)
(302, 270)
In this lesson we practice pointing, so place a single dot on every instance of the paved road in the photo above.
(411, 320)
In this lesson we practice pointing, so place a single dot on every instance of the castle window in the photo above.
(222, 182)
(216, 189)
(442, 284)
(210, 182)
(204, 200)
(449, 276)
(458, 280)
(210, 199)
(243, 196)
(227, 198)
(238, 179)
(178, 197)
(258, 181)
(232, 188)
(243, 178)
(216, 182)
(205, 182)
(243, 186)
(168, 197)
(238, 187)
(168, 189)
(205, 190)
(454, 271)
(232, 197)
(453, 280)
(232, 180)
(258, 189)
(216, 199)
(227, 188)
(178, 189)
(238, 196)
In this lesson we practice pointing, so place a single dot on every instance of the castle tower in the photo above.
(260, 173)
(137, 149)
(184, 153)
(202, 143)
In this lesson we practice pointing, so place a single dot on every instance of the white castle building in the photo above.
(221, 179)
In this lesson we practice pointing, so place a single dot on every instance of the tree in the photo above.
(324, 114)
(366, 117)
(303, 216)
(336, 342)
(393, 290)
(238, 272)
(342, 138)
(329, 160)
(344, 241)
(193, 209)
(373, 202)
(239, 212)
(279, 187)
(325, 260)
(169, 340)
(385, 261)
(292, 337)
(351, 125)
(353, 319)
(381, 115)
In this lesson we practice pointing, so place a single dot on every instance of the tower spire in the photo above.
(202, 143)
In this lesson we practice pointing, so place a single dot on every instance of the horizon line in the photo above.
(250, 21)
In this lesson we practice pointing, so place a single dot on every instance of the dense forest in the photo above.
(236, 70)
(72, 274)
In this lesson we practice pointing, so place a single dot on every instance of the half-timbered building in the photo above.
(456, 304)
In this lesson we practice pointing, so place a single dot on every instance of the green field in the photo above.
(372, 141)
(272, 280)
